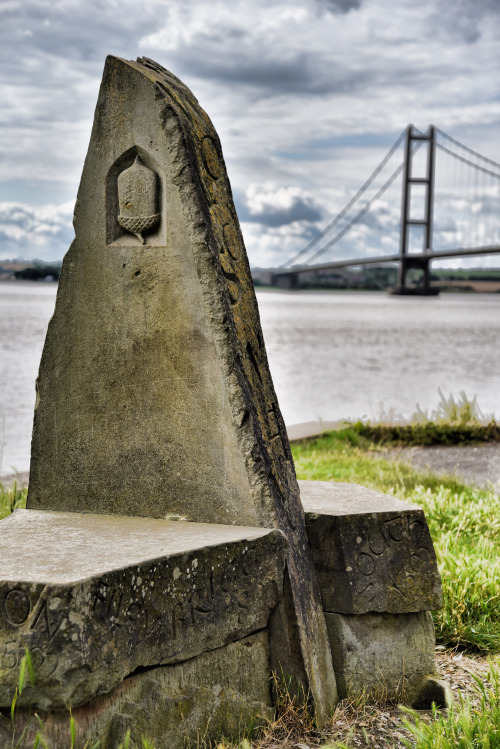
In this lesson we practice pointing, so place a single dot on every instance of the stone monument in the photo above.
(163, 569)
(154, 400)
(154, 394)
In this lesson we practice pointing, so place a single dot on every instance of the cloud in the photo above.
(302, 92)
(270, 246)
(272, 205)
(339, 6)
(30, 232)
(466, 20)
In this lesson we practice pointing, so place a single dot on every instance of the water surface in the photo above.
(367, 354)
(333, 355)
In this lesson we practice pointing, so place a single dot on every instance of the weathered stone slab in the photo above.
(96, 597)
(372, 552)
(381, 656)
(154, 394)
(222, 692)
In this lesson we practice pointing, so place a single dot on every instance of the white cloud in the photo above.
(304, 93)
(273, 205)
(30, 232)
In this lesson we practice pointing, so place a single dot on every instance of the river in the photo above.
(332, 355)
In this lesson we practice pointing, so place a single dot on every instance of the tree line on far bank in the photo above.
(29, 271)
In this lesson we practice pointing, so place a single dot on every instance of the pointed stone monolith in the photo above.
(154, 395)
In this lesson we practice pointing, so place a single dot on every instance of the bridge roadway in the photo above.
(287, 277)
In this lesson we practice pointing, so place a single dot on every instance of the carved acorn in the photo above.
(137, 199)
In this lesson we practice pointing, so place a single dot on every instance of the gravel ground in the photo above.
(473, 464)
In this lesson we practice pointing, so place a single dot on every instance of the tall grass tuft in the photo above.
(450, 411)
(11, 497)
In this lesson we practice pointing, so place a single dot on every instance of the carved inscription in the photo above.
(27, 621)
(144, 611)
(375, 562)
(17, 606)
(160, 612)
(391, 554)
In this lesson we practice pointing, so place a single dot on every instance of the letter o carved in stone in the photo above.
(17, 606)
(366, 565)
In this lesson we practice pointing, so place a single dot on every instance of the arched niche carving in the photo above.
(151, 230)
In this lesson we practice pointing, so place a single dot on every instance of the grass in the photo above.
(464, 523)
(473, 722)
(467, 725)
(465, 526)
(11, 498)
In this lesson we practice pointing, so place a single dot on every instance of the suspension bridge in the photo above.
(430, 198)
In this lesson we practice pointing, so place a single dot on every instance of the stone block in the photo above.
(372, 552)
(154, 395)
(222, 692)
(95, 597)
(431, 691)
(381, 656)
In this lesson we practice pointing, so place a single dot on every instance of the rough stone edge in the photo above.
(113, 725)
(248, 432)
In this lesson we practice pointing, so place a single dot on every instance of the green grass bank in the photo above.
(465, 525)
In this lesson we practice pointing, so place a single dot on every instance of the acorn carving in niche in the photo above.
(137, 199)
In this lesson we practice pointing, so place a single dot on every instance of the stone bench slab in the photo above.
(96, 597)
(372, 552)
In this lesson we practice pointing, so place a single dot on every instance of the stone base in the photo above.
(95, 598)
(381, 656)
(372, 552)
(221, 693)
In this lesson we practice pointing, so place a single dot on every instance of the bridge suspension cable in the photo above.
(355, 199)
(358, 215)
(468, 150)
(465, 204)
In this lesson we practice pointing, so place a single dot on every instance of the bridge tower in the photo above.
(409, 259)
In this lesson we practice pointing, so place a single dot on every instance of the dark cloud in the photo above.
(266, 74)
(274, 206)
(464, 19)
(339, 6)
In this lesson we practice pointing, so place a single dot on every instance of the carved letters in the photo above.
(375, 562)
(17, 606)
(159, 612)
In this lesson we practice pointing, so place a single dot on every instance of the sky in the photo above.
(307, 97)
